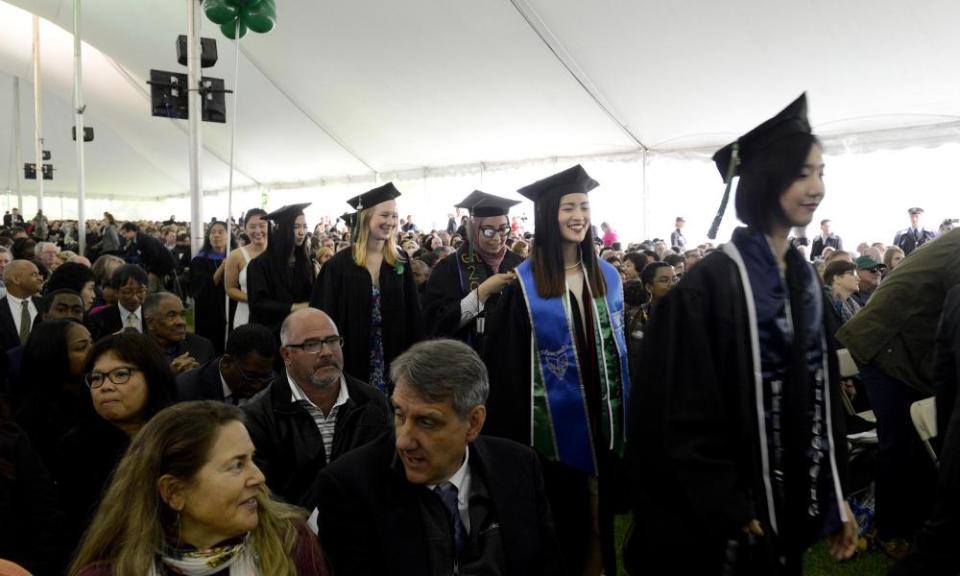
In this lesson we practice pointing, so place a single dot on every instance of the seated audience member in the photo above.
(55, 305)
(935, 552)
(129, 283)
(658, 279)
(76, 277)
(20, 308)
(5, 259)
(892, 340)
(892, 258)
(167, 325)
(188, 499)
(29, 519)
(49, 395)
(313, 412)
(103, 269)
(869, 271)
(244, 369)
(437, 498)
(633, 263)
(678, 262)
(129, 382)
(521, 249)
(421, 273)
(840, 283)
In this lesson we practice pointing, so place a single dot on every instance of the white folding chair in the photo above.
(924, 416)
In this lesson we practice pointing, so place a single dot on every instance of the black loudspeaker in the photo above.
(208, 51)
(168, 94)
(46, 155)
(214, 102)
(30, 171)
(87, 133)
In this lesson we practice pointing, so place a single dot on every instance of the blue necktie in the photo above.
(448, 494)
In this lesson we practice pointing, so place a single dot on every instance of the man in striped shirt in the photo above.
(311, 413)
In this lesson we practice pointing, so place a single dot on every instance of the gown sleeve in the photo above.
(507, 356)
(441, 300)
(263, 305)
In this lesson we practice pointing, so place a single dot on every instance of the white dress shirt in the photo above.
(16, 309)
(461, 479)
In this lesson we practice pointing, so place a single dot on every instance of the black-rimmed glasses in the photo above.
(118, 376)
(314, 346)
(490, 231)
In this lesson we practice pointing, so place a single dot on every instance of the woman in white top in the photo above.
(235, 270)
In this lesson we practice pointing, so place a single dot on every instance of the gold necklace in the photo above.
(572, 266)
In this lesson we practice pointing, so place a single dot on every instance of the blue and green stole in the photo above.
(560, 424)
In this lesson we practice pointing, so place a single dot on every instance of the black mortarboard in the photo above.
(349, 218)
(483, 205)
(288, 213)
(373, 197)
(571, 181)
(790, 122)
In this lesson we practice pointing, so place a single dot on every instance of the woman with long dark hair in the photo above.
(206, 286)
(235, 269)
(280, 279)
(369, 291)
(129, 381)
(737, 427)
(559, 379)
(53, 398)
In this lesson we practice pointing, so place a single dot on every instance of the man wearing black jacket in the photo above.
(149, 252)
(245, 368)
(436, 498)
(312, 413)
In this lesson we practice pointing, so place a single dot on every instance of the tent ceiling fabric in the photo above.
(348, 88)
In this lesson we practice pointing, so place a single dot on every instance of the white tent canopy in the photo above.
(346, 92)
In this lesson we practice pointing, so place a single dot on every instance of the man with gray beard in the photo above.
(312, 413)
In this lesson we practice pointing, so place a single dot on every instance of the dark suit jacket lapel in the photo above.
(401, 524)
(7, 322)
(503, 490)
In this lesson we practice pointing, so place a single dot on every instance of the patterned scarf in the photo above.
(238, 557)
(491, 259)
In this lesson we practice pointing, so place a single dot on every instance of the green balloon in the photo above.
(230, 29)
(262, 18)
(221, 11)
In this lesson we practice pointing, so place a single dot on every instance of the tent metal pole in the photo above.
(78, 109)
(18, 151)
(195, 110)
(37, 112)
(233, 141)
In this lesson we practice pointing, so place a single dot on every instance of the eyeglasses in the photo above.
(490, 231)
(255, 379)
(316, 345)
(118, 376)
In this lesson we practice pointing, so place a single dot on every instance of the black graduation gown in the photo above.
(272, 288)
(694, 445)
(507, 357)
(209, 301)
(343, 290)
(441, 300)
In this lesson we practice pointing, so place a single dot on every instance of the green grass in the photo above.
(818, 561)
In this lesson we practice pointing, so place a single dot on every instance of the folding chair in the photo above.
(924, 416)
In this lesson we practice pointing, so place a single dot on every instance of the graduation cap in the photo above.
(483, 205)
(573, 180)
(288, 213)
(349, 218)
(790, 122)
(373, 197)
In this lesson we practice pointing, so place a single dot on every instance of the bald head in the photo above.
(22, 278)
(303, 320)
(312, 351)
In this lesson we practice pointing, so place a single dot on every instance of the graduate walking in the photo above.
(556, 354)
(369, 291)
(736, 427)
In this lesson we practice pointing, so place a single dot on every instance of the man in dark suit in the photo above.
(312, 413)
(437, 499)
(150, 253)
(19, 309)
(909, 239)
(244, 369)
(167, 326)
(130, 284)
(826, 238)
